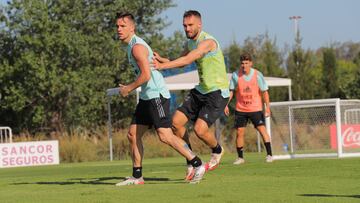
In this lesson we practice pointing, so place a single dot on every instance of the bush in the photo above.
(93, 145)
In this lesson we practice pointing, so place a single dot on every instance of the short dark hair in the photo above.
(245, 57)
(192, 13)
(125, 15)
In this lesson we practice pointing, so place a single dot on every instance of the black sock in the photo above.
(268, 148)
(196, 161)
(240, 152)
(217, 149)
(137, 172)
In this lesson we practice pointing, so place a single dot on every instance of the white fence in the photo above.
(5, 135)
(315, 128)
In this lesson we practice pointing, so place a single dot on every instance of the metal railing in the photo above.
(5, 135)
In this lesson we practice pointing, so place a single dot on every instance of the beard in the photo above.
(193, 35)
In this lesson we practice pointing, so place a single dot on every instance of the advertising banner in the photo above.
(29, 153)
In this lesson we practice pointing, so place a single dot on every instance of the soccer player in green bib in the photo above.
(153, 108)
(206, 102)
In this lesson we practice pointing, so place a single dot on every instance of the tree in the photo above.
(232, 56)
(269, 62)
(330, 80)
(59, 56)
(267, 58)
(299, 65)
(352, 88)
(347, 50)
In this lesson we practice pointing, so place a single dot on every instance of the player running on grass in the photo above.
(251, 91)
(206, 102)
(154, 105)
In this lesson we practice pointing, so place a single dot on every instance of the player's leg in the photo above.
(134, 136)
(187, 111)
(267, 142)
(213, 105)
(137, 150)
(160, 115)
(240, 134)
(258, 120)
(178, 127)
(197, 168)
(166, 136)
(241, 120)
(179, 121)
(139, 124)
(201, 129)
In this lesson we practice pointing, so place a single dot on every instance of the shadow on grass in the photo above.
(99, 181)
(327, 195)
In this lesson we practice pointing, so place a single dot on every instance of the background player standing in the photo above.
(250, 89)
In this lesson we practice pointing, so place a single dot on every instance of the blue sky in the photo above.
(323, 21)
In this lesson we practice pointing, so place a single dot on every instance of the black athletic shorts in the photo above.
(154, 112)
(242, 118)
(208, 107)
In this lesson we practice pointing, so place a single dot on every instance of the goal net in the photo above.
(315, 128)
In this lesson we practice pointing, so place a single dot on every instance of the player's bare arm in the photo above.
(160, 58)
(266, 100)
(203, 48)
(140, 54)
(226, 110)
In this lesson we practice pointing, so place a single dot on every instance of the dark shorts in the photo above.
(207, 107)
(242, 118)
(154, 112)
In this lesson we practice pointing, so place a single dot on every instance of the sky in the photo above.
(322, 22)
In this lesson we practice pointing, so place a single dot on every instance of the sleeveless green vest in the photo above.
(211, 68)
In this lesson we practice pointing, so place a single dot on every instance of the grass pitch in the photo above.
(301, 180)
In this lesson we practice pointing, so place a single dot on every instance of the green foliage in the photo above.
(357, 59)
(232, 54)
(306, 68)
(299, 65)
(352, 89)
(352, 86)
(329, 64)
(347, 51)
(266, 56)
(59, 57)
(346, 75)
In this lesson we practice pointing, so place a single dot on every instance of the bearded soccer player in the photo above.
(206, 102)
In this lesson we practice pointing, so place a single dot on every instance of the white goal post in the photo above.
(5, 135)
(315, 128)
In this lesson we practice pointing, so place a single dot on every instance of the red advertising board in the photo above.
(350, 136)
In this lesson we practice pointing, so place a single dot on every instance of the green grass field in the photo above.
(302, 180)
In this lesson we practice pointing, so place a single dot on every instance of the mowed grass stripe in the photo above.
(301, 180)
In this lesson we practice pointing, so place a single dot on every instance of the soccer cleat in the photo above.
(269, 159)
(131, 181)
(198, 174)
(190, 172)
(239, 161)
(214, 160)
